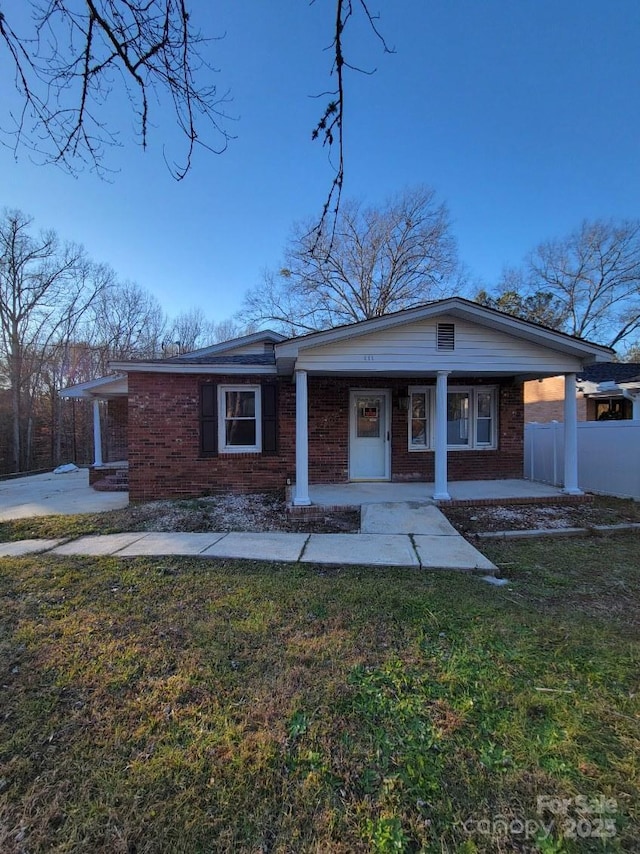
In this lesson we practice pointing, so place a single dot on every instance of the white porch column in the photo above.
(441, 492)
(97, 433)
(301, 497)
(570, 436)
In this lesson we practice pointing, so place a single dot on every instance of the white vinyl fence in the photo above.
(608, 456)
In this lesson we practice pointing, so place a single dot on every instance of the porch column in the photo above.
(441, 492)
(570, 436)
(97, 433)
(301, 497)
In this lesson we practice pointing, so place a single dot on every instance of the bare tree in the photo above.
(593, 278)
(125, 322)
(330, 128)
(374, 261)
(45, 290)
(76, 54)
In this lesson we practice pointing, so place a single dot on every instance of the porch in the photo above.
(461, 492)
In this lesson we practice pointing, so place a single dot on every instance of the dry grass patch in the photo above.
(195, 706)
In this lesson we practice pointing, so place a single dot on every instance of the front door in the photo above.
(369, 438)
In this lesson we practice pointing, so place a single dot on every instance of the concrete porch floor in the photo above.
(357, 494)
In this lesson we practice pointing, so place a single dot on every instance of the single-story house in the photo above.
(606, 391)
(430, 394)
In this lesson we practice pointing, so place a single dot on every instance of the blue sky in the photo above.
(522, 114)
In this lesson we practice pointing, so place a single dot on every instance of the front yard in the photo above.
(178, 705)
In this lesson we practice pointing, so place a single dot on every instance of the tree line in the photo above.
(63, 318)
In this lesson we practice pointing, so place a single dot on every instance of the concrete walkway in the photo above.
(47, 494)
(411, 535)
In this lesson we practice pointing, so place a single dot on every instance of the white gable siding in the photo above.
(413, 348)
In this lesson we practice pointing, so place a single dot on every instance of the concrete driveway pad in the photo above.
(105, 544)
(52, 494)
(450, 553)
(170, 544)
(406, 517)
(272, 545)
(374, 549)
(25, 547)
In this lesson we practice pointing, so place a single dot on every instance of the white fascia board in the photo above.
(455, 307)
(92, 388)
(176, 368)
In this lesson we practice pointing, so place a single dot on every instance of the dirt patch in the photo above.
(259, 512)
(522, 517)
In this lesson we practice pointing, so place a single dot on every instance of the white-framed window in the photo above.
(471, 418)
(419, 419)
(239, 419)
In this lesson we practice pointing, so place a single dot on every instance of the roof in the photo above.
(268, 352)
(113, 386)
(617, 372)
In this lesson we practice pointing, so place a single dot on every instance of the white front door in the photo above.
(369, 436)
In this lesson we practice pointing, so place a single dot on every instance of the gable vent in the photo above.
(445, 337)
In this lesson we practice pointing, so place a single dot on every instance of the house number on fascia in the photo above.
(368, 358)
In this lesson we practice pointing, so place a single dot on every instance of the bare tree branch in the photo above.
(80, 51)
(330, 127)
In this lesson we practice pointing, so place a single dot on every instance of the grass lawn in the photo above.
(182, 705)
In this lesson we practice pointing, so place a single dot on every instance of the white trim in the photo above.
(97, 434)
(98, 388)
(223, 448)
(570, 436)
(441, 491)
(301, 497)
(473, 391)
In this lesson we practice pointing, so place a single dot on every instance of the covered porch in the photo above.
(109, 402)
(461, 492)
(457, 443)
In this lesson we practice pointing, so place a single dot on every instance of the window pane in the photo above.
(418, 431)
(458, 418)
(484, 404)
(483, 431)
(418, 408)
(368, 426)
(240, 431)
(241, 404)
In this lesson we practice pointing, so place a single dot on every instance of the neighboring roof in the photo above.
(259, 360)
(453, 307)
(264, 336)
(617, 372)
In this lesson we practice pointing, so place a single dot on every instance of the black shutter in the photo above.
(208, 419)
(269, 418)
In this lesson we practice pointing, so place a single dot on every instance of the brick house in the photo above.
(604, 391)
(428, 394)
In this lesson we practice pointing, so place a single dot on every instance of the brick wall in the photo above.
(164, 441)
(544, 401)
(115, 430)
